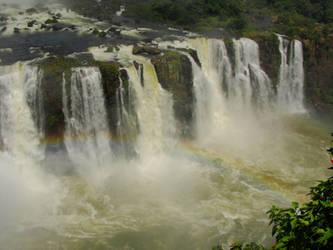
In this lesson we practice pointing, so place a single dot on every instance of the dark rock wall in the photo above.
(318, 67)
(174, 72)
(270, 57)
(110, 82)
(52, 94)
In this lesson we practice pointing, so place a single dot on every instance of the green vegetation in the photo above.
(194, 14)
(301, 227)
(102, 10)
(290, 17)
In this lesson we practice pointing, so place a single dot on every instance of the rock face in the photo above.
(174, 72)
(54, 69)
(110, 82)
(318, 67)
(146, 50)
(270, 57)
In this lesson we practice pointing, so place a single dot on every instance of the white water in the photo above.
(154, 110)
(121, 10)
(18, 133)
(251, 84)
(247, 126)
(25, 192)
(124, 119)
(291, 79)
(174, 196)
(33, 95)
(210, 103)
(87, 132)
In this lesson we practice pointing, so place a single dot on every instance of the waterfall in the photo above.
(126, 124)
(33, 93)
(251, 84)
(87, 132)
(291, 78)
(222, 65)
(154, 107)
(18, 134)
(210, 103)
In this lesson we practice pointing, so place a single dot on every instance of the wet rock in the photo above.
(270, 57)
(102, 34)
(51, 21)
(31, 23)
(59, 26)
(51, 89)
(31, 11)
(193, 53)
(174, 72)
(3, 29)
(3, 18)
(318, 69)
(57, 16)
(146, 50)
(111, 49)
(139, 69)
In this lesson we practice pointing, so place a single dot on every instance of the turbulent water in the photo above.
(250, 150)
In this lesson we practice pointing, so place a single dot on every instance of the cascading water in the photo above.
(251, 84)
(126, 124)
(154, 109)
(24, 188)
(291, 80)
(246, 100)
(184, 195)
(87, 132)
(210, 112)
(33, 94)
(19, 137)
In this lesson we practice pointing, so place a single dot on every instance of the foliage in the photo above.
(194, 14)
(295, 18)
(307, 227)
(239, 246)
(301, 227)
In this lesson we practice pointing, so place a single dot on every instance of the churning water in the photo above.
(247, 154)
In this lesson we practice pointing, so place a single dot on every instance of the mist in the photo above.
(18, 1)
(25, 2)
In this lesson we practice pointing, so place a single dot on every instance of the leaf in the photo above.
(279, 245)
(285, 239)
(305, 222)
(295, 204)
(326, 236)
(293, 223)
